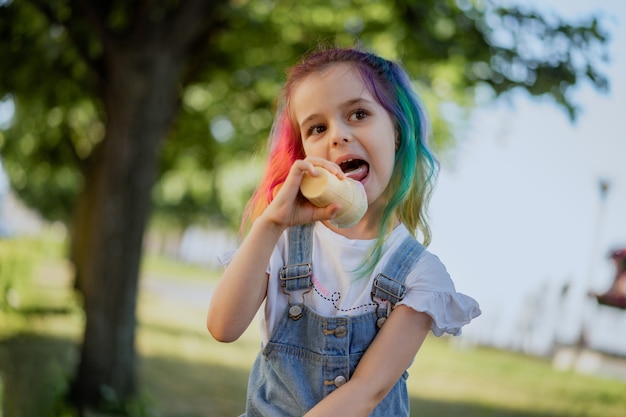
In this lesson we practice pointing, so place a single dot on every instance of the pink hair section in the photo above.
(285, 148)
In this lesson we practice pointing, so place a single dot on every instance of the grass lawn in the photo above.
(184, 373)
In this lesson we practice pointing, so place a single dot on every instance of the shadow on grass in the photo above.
(36, 370)
(35, 373)
(185, 388)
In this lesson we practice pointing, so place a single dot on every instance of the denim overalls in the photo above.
(308, 355)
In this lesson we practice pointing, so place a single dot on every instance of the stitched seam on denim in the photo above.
(300, 353)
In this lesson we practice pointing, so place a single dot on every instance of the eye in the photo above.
(315, 130)
(358, 114)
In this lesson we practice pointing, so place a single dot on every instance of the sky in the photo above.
(519, 213)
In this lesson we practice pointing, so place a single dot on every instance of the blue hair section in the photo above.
(415, 167)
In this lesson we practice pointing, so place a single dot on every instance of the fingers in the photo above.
(328, 165)
(329, 212)
(296, 173)
(321, 213)
(289, 207)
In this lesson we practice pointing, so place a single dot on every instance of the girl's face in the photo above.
(339, 120)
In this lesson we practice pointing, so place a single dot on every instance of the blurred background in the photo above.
(132, 134)
(530, 206)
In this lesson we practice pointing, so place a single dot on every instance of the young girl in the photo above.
(346, 309)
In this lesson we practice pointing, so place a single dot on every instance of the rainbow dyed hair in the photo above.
(415, 166)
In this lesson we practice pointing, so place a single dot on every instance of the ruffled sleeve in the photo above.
(430, 290)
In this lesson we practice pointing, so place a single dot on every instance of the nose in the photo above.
(337, 141)
(340, 134)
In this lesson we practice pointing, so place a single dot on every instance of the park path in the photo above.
(191, 293)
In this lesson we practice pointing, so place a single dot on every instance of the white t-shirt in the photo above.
(339, 289)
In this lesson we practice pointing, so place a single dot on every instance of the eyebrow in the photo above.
(347, 103)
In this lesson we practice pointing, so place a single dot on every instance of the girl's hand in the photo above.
(289, 207)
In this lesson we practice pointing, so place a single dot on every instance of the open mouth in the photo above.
(357, 169)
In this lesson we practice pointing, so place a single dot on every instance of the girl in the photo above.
(346, 310)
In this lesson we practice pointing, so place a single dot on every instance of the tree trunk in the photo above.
(143, 70)
(140, 100)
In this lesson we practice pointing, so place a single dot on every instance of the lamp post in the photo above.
(604, 186)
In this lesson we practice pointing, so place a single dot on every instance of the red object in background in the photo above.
(616, 295)
(618, 254)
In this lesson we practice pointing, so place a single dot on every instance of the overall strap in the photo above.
(389, 284)
(296, 275)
